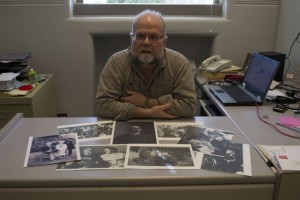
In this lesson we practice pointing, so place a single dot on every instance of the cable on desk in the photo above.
(288, 56)
(290, 90)
(272, 125)
(287, 106)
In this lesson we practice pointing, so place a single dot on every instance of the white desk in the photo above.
(43, 182)
(257, 132)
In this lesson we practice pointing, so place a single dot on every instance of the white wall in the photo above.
(57, 47)
(66, 46)
(288, 29)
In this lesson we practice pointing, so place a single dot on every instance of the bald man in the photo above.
(147, 80)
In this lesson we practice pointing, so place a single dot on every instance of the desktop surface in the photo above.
(258, 125)
(248, 118)
(13, 174)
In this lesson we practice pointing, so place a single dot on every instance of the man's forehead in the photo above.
(147, 28)
(149, 22)
(150, 18)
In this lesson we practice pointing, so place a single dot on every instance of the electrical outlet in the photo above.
(289, 76)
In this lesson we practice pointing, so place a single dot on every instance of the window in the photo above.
(211, 8)
(149, 1)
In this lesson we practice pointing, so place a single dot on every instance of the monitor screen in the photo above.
(260, 73)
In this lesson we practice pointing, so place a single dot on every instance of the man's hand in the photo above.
(155, 110)
(135, 98)
(158, 112)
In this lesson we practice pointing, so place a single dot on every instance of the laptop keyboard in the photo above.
(236, 93)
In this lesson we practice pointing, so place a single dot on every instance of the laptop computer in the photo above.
(254, 87)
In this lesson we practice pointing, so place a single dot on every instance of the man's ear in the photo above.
(165, 41)
(131, 37)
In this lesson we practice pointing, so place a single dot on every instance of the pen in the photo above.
(293, 128)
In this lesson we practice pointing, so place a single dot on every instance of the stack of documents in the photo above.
(220, 75)
(14, 62)
(289, 158)
(282, 157)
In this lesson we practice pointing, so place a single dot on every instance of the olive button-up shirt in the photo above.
(172, 82)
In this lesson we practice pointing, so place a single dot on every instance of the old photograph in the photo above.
(157, 156)
(98, 157)
(208, 140)
(89, 131)
(134, 133)
(236, 160)
(52, 149)
(174, 131)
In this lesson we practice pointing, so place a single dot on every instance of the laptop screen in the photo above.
(259, 74)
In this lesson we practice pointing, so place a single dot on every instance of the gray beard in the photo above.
(149, 60)
(146, 59)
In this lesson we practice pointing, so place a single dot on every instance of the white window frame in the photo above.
(80, 9)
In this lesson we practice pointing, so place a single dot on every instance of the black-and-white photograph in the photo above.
(173, 131)
(89, 131)
(134, 133)
(98, 157)
(208, 140)
(160, 157)
(235, 161)
(52, 149)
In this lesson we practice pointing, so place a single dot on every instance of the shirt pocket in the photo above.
(130, 86)
(164, 88)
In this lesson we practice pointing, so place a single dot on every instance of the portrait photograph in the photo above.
(134, 133)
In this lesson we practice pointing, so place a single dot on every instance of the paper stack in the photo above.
(282, 157)
(220, 75)
(289, 158)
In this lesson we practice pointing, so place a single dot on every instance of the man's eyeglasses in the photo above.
(151, 37)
